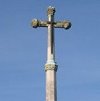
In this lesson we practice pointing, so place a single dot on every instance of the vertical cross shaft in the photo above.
(50, 66)
(51, 51)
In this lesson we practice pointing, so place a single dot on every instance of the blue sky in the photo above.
(23, 50)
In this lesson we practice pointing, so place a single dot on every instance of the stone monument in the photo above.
(51, 66)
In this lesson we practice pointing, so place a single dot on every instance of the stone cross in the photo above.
(51, 66)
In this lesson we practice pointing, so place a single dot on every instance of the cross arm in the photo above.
(36, 23)
(62, 24)
(58, 24)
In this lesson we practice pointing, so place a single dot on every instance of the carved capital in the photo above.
(51, 10)
(51, 67)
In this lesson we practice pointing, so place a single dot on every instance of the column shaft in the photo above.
(50, 67)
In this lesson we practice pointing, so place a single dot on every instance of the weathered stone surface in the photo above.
(51, 88)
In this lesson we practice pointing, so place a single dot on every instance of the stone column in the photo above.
(51, 67)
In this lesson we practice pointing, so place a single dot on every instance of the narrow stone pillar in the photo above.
(51, 88)
(51, 67)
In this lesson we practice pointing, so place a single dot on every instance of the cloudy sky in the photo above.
(23, 50)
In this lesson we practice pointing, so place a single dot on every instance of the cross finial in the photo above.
(56, 24)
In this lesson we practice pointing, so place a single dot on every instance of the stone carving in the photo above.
(51, 67)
